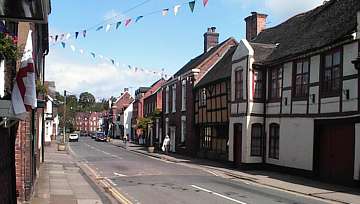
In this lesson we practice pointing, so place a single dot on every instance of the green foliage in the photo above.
(86, 101)
(143, 123)
(8, 48)
(41, 88)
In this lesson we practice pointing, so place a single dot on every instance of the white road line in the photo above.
(120, 175)
(218, 194)
(213, 173)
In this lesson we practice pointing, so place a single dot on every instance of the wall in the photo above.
(296, 142)
(357, 152)
(127, 119)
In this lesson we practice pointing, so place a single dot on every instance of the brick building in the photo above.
(178, 97)
(22, 141)
(88, 121)
(117, 114)
(153, 108)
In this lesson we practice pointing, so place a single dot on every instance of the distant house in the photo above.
(295, 93)
(51, 120)
(128, 112)
(117, 113)
(178, 97)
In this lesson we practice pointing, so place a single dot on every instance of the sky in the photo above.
(154, 43)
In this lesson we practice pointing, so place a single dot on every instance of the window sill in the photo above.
(329, 95)
(300, 98)
(274, 100)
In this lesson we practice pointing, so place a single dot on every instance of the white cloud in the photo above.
(287, 8)
(102, 79)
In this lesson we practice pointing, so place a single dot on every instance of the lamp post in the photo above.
(64, 140)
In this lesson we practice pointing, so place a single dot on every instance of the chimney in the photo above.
(211, 38)
(254, 25)
(126, 89)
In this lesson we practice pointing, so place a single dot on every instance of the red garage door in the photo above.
(336, 153)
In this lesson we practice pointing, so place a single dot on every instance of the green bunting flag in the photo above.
(118, 24)
(99, 28)
(138, 18)
(192, 6)
(93, 54)
(84, 33)
(63, 44)
(76, 35)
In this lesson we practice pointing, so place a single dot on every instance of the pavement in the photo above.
(289, 183)
(61, 181)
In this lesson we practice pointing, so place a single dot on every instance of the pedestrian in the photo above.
(125, 138)
(166, 144)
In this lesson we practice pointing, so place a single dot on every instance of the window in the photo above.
(258, 84)
(256, 139)
(167, 100)
(214, 139)
(183, 129)
(274, 141)
(183, 95)
(174, 98)
(275, 83)
(239, 84)
(301, 78)
(331, 72)
(203, 97)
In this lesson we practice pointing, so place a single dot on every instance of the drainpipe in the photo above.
(264, 117)
(43, 113)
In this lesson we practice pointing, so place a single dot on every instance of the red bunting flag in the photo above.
(128, 21)
(205, 2)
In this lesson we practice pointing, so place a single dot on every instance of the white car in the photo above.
(74, 137)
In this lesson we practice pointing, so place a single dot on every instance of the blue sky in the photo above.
(155, 42)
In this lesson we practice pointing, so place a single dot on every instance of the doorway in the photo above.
(237, 143)
(172, 139)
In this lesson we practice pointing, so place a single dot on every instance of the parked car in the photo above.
(74, 137)
(93, 135)
(100, 136)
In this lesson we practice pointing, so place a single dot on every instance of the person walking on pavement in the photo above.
(166, 144)
(125, 138)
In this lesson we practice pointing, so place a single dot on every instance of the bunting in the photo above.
(176, 9)
(192, 6)
(125, 22)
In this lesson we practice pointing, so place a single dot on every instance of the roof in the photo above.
(311, 30)
(221, 70)
(192, 64)
(262, 51)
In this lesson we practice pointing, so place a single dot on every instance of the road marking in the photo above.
(217, 194)
(213, 173)
(120, 175)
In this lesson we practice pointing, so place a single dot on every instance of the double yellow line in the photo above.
(115, 193)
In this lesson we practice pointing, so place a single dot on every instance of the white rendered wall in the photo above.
(295, 143)
(350, 53)
(127, 119)
(330, 105)
(357, 152)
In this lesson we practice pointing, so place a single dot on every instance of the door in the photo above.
(336, 153)
(237, 143)
(172, 139)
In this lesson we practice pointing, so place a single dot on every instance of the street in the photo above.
(142, 179)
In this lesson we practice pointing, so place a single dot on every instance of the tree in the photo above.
(86, 101)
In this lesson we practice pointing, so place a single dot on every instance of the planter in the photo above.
(151, 149)
(61, 147)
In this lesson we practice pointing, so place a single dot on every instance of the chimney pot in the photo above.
(254, 25)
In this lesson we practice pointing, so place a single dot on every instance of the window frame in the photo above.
(239, 84)
(174, 98)
(274, 141)
(279, 77)
(324, 93)
(304, 93)
(261, 82)
(259, 140)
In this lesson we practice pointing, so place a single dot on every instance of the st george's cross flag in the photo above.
(23, 96)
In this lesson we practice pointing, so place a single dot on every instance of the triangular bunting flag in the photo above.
(84, 33)
(176, 9)
(108, 26)
(93, 54)
(112, 61)
(129, 66)
(72, 48)
(76, 35)
(63, 44)
(165, 12)
(68, 36)
(99, 28)
(192, 5)
(138, 18)
(205, 2)
(118, 24)
(56, 37)
(62, 37)
(81, 51)
(128, 21)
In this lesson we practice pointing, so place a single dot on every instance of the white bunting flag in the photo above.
(68, 36)
(165, 12)
(72, 48)
(176, 9)
(108, 26)
(81, 51)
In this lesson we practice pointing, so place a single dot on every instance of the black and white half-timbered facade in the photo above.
(295, 93)
(212, 110)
